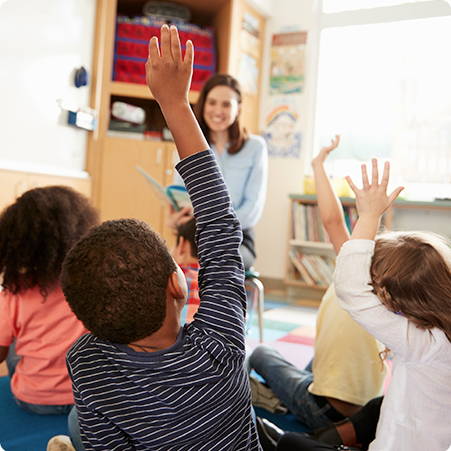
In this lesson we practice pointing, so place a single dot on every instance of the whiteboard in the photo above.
(41, 43)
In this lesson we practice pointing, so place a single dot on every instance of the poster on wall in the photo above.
(287, 63)
(282, 133)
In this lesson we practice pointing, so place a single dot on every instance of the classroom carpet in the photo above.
(288, 329)
(24, 431)
(291, 330)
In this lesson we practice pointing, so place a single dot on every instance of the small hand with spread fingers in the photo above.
(168, 73)
(372, 199)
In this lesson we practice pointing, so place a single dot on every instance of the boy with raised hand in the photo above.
(140, 380)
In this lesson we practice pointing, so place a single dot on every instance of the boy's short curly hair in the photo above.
(115, 280)
(37, 231)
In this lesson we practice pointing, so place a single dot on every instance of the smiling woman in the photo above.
(242, 157)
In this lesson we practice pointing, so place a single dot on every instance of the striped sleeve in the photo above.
(218, 235)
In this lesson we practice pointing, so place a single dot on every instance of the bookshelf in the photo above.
(311, 258)
(308, 240)
(117, 189)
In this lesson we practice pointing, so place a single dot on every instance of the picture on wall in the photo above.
(288, 63)
(282, 133)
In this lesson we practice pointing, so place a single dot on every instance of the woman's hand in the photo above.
(325, 151)
(177, 218)
(169, 75)
(372, 200)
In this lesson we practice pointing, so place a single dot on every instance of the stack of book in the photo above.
(306, 222)
(313, 269)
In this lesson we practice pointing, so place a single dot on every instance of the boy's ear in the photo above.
(176, 287)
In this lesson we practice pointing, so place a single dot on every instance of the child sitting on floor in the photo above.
(398, 286)
(140, 380)
(185, 255)
(347, 371)
(37, 326)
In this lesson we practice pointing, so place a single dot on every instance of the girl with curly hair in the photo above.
(37, 325)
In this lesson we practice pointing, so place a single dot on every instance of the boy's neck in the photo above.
(163, 338)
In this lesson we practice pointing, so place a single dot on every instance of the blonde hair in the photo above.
(411, 275)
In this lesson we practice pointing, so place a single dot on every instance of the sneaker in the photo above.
(60, 443)
(268, 434)
(264, 397)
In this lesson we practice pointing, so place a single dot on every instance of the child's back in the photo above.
(399, 288)
(43, 330)
(37, 326)
(140, 381)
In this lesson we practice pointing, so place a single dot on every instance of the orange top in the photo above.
(43, 330)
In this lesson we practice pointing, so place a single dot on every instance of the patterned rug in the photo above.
(289, 329)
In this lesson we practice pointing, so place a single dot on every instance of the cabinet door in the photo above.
(125, 193)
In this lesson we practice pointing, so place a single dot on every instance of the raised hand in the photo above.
(325, 151)
(168, 74)
(372, 199)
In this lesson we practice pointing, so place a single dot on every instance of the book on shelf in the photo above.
(305, 276)
(306, 223)
(313, 269)
(175, 195)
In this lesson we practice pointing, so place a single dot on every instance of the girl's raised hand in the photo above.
(168, 74)
(372, 199)
(325, 151)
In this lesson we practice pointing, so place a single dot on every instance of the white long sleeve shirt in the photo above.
(416, 411)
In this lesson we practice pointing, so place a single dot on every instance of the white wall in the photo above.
(41, 42)
(286, 175)
(264, 6)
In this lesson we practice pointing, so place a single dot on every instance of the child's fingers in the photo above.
(365, 181)
(374, 172)
(351, 184)
(175, 44)
(385, 175)
(165, 38)
(154, 52)
(189, 54)
(395, 194)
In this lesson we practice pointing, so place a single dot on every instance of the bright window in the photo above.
(386, 88)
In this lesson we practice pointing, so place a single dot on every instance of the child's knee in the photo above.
(259, 354)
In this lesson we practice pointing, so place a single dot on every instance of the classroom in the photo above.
(230, 220)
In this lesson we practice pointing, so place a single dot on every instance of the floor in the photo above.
(288, 327)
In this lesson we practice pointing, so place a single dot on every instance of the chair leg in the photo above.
(259, 296)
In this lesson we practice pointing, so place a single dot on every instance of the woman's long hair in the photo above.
(237, 134)
(37, 231)
(411, 275)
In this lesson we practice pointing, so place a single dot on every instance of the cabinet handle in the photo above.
(168, 171)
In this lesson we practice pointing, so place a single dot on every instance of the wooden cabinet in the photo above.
(118, 190)
(129, 194)
(15, 183)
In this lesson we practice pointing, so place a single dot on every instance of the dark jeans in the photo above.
(290, 385)
(293, 441)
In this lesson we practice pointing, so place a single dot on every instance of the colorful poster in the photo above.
(287, 62)
(282, 132)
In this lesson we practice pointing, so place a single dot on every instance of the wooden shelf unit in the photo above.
(326, 249)
(117, 189)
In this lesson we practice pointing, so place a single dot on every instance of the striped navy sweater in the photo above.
(195, 394)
